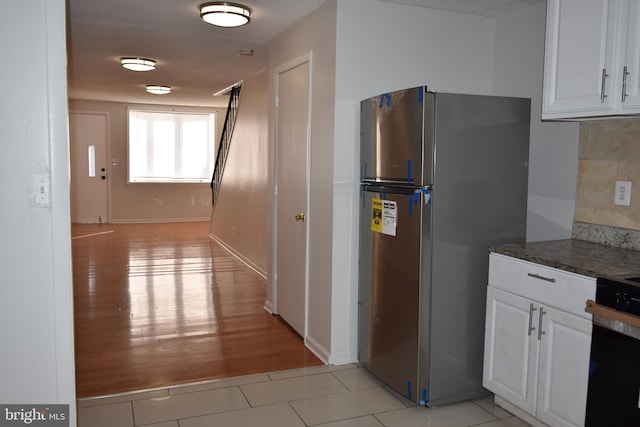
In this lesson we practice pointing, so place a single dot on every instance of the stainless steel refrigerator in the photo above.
(443, 177)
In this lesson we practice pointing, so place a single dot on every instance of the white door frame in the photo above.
(307, 58)
(107, 117)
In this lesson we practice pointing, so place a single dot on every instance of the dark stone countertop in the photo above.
(575, 256)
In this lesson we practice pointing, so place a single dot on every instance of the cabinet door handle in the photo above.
(540, 331)
(546, 279)
(531, 310)
(625, 73)
(602, 85)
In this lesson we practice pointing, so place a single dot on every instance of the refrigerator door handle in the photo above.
(388, 181)
(395, 188)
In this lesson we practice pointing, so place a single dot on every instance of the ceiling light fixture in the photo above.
(225, 14)
(138, 64)
(158, 90)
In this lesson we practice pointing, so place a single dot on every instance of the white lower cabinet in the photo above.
(537, 355)
(563, 371)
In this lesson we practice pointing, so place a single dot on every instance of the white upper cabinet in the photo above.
(592, 63)
(631, 67)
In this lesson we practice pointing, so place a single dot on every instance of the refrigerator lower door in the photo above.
(389, 294)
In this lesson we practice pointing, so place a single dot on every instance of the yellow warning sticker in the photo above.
(384, 216)
(376, 216)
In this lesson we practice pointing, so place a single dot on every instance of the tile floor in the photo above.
(336, 396)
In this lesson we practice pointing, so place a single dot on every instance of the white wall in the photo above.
(36, 312)
(239, 219)
(553, 153)
(315, 34)
(383, 47)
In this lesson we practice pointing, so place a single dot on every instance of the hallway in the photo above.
(162, 304)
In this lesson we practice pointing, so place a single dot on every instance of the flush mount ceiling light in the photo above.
(158, 90)
(225, 14)
(138, 64)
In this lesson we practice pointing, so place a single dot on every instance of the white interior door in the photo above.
(292, 140)
(88, 140)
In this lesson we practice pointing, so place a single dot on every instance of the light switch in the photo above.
(40, 191)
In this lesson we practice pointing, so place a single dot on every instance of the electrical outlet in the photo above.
(623, 193)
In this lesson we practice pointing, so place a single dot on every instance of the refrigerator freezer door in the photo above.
(392, 138)
(389, 297)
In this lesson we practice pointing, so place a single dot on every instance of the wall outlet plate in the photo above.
(623, 193)
(40, 191)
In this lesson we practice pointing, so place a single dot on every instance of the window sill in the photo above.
(172, 183)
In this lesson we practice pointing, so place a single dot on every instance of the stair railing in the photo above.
(225, 142)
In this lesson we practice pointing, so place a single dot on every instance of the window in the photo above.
(170, 146)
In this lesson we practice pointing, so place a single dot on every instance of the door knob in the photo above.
(300, 217)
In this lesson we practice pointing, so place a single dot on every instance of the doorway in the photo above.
(88, 136)
(292, 183)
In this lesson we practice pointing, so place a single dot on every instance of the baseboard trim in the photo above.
(519, 413)
(239, 256)
(317, 349)
(268, 306)
(155, 220)
(343, 357)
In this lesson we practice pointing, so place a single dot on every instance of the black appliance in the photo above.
(613, 397)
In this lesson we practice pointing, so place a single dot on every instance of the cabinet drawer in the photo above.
(549, 286)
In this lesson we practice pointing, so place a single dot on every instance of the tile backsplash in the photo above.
(609, 152)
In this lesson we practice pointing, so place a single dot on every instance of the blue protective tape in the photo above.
(414, 200)
(382, 98)
(593, 365)
(409, 390)
(420, 95)
(427, 195)
(424, 400)
(364, 174)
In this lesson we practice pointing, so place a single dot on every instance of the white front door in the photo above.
(292, 140)
(88, 140)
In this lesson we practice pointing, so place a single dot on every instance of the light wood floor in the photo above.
(163, 304)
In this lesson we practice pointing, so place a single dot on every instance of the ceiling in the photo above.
(194, 58)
